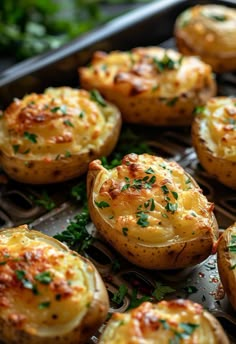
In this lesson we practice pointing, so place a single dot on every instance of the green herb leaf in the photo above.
(171, 207)
(136, 301)
(142, 219)
(149, 171)
(76, 235)
(102, 204)
(161, 291)
(44, 277)
(68, 123)
(15, 148)
(96, 96)
(31, 137)
(44, 201)
(119, 296)
(125, 231)
(44, 305)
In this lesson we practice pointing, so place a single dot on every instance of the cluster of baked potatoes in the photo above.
(148, 208)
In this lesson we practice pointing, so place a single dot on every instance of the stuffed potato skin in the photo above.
(152, 212)
(177, 321)
(48, 293)
(51, 137)
(209, 31)
(150, 85)
(214, 139)
(226, 260)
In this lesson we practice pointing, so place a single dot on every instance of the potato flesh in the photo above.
(138, 68)
(190, 219)
(152, 323)
(34, 306)
(218, 127)
(210, 30)
(63, 121)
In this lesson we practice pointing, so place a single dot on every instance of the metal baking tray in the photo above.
(151, 24)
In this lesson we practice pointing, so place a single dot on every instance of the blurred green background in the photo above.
(31, 27)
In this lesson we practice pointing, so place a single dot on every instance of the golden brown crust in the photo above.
(165, 322)
(152, 212)
(209, 31)
(214, 138)
(226, 260)
(47, 292)
(51, 137)
(150, 85)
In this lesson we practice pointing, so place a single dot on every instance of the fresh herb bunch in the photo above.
(30, 27)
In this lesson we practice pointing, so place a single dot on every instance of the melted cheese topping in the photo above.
(150, 71)
(44, 289)
(218, 127)
(152, 201)
(209, 28)
(180, 321)
(58, 123)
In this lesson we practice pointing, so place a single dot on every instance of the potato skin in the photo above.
(52, 137)
(214, 139)
(162, 323)
(135, 221)
(226, 260)
(208, 31)
(14, 326)
(150, 85)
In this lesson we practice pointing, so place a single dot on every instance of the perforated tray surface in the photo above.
(17, 201)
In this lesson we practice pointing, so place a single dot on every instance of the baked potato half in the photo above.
(152, 212)
(208, 31)
(48, 294)
(214, 139)
(226, 260)
(51, 137)
(150, 85)
(176, 321)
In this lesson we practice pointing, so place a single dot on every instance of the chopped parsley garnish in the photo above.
(167, 63)
(232, 245)
(44, 305)
(76, 235)
(125, 231)
(175, 194)
(138, 184)
(183, 331)
(199, 109)
(44, 277)
(136, 301)
(78, 191)
(150, 202)
(171, 207)
(81, 114)
(119, 296)
(149, 171)
(68, 123)
(96, 96)
(44, 201)
(161, 290)
(216, 16)
(165, 189)
(15, 148)
(172, 101)
(102, 204)
(21, 276)
(142, 219)
(62, 108)
(31, 137)
(67, 154)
